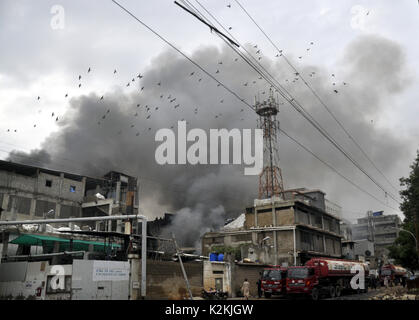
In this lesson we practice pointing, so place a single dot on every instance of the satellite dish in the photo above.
(367, 253)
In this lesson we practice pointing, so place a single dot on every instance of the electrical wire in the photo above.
(299, 108)
(317, 96)
(192, 61)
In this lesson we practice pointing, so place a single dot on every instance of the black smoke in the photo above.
(97, 136)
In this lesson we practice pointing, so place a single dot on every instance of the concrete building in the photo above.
(299, 229)
(333, 208)
(346, 230)
(348, 245)
(378, 228)
(348, 249)
(217, 275)
(28, 192)
(364, 248)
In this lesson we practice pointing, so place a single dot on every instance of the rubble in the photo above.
(395, 294)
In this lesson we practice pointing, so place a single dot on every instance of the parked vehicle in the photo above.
(395, 273)
(324, 276)
(214, 294)
(274, 281)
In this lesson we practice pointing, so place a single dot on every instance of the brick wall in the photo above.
(165, 279)
(240, 272)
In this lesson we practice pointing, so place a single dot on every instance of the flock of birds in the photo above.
(149, 110)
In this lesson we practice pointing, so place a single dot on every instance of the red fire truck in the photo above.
(395, 274)
(324, 276)
(273, 281)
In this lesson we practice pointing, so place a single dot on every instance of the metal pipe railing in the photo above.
(85, 219)
(105, 218)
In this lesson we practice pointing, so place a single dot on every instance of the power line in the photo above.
(196, 64)
(173, 187)
(298, 107)
(334, 170)
(212, 28)
(318, 97)
(179, 51)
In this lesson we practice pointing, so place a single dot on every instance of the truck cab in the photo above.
(394, 274)
(274, 281)
(301, 280)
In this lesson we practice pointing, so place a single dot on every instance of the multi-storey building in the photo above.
(378, 228)
(284, 231)
(30, 193)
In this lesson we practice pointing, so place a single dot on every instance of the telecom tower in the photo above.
(270, 179)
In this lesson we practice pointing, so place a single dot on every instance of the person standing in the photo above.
(373, 282)
(246, 289)
(259, 284)
(403, 282)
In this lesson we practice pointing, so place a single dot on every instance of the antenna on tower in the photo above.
(270, 179)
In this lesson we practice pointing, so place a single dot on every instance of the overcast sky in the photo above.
(39, 60)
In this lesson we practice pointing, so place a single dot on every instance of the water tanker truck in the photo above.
(326, 276)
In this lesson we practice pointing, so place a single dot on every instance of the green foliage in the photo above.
(404, 249)
(410, 195)
(233, 251)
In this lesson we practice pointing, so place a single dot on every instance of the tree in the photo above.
(404, 249)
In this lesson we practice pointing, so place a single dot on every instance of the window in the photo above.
(43, 207)
(318, 220)
(300, 272)
(271, 275)
(21, 204)
(69, 211)
(48, 183)
(72, 188)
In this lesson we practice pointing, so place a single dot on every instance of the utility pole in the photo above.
(178, 253)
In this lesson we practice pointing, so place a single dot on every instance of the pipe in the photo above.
(121, 217)
(85, 219)
(275, 225)
(144, 258)
(295, 250)
(47, 254)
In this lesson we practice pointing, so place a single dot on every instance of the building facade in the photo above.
(31, 193)
(298, 228)
(378, 228)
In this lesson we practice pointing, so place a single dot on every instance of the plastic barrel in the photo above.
(221, 257)
(213, 257)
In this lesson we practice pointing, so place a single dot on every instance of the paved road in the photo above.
(397, 291)
(347, 296)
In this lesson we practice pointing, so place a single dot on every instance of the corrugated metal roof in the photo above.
(33, 240)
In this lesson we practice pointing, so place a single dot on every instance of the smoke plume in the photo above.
(97, 135)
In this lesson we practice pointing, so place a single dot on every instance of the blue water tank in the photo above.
(213, 257)
(221, 257)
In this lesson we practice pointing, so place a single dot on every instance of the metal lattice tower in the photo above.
(270, 179)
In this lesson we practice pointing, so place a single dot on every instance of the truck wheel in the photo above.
(338, 291)
(332, 292)
(267, 295)
(315, 294)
